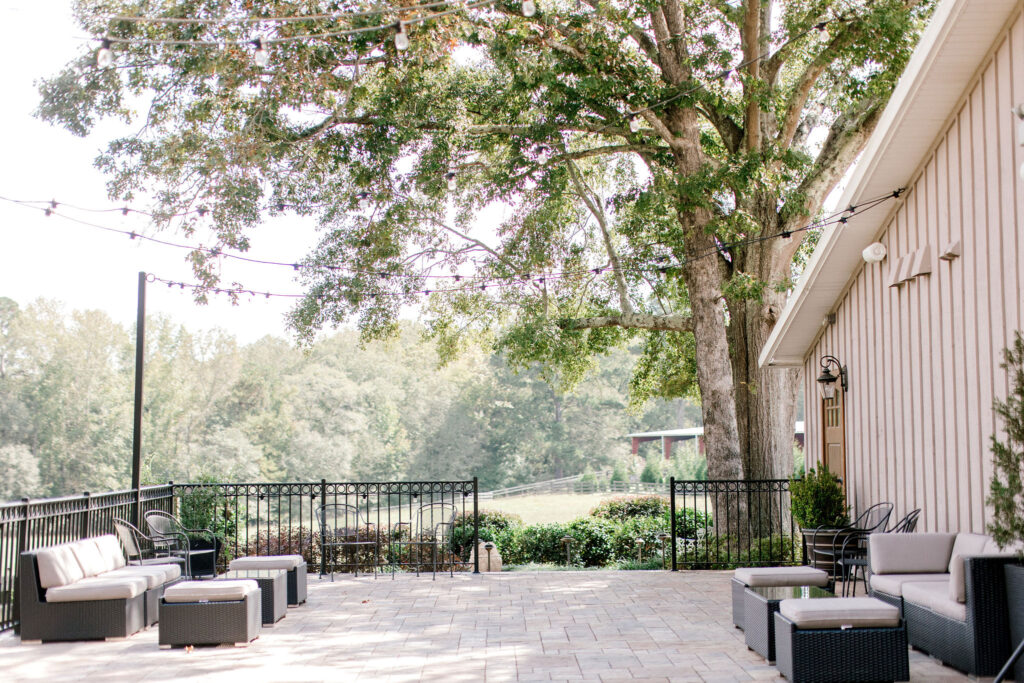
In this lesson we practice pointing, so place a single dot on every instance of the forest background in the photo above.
(268, 411)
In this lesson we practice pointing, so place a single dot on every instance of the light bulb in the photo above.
(260, 56)
(874, 253)
(450, 177)
(401, 38)
(529, 8)
(634, 123)
(104, 56)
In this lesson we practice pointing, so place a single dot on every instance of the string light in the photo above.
(401, 37)
(529, 8)
(104, 55)
(634, 123)
(450, 177)
(260, 56)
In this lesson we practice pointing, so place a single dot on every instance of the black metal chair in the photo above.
(433, 529)
(343, 526)
(853, 557)
(850, 538)
(138, 545)
(169, 535)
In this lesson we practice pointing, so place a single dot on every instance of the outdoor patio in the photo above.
(529, 626)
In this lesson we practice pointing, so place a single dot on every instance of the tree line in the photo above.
(339, 409)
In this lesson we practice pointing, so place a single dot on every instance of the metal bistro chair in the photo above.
(871, 520)
(343, 526)
(137, 545)
(433, 529)
(169, 535)
(853, 557)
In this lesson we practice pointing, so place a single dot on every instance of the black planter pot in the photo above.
(1015, 599)
(205, 564)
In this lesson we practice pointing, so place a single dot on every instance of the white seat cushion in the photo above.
(288, 562)
(155, 574)
(89, 557)
(110, 548)
(781, 576)
(98, 588)
(892, 584)
(910, 553)
(840, 613)
(58, 566)
(934, 596)
(211, 591)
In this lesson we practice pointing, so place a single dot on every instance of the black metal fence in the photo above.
(727, 523)
(280, 519)
(31, 524)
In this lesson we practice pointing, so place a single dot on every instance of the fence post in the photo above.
(476, 525)
(672, 518)
(323, 554)
(84, 531)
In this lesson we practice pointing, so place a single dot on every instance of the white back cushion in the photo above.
(89, 557)
(110, 548)
(967, 544)
(910, 553)
(58, 566)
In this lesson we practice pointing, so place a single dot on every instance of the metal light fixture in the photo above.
(827, 381)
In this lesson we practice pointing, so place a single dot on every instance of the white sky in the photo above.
(83, 267)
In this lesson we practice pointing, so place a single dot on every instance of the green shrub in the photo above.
(688, 521)
(644, 528)
(592, 544)
(492, 523)
(510, 545)
(627, 507)
(543, 543)
(652, 472)
(818, 499)
(206, 507)
(619, 473)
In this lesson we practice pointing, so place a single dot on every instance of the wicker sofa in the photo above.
(84, 591)
(950, 590)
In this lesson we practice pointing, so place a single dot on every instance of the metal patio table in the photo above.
(273, 590)
(759, 608)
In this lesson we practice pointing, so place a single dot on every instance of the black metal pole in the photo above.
(1005, 671)
(476, 526)
(672, 520)
(140, 355)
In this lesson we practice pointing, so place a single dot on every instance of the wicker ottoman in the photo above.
(293, 564)
(210, 613)
(841, 639)
(760, 577)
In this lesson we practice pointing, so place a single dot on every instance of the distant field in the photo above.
(552, 507)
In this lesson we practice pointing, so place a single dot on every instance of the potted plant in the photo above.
(819, 507)
(203, 509)
(1007, 489)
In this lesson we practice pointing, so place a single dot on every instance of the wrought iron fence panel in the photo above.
(30, 524)
(731, 523)
(276, 519)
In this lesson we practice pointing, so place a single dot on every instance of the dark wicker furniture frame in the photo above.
(80, 620)
(978, 646)
(297, 585)
(759, 618)
(738, 587)
(841, 655)
(273, 590)
(210, 623)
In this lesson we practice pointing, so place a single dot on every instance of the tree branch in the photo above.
(751, 36)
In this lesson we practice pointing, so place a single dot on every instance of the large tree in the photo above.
(640, 148)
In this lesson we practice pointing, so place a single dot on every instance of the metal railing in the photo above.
(31, 524)
(732, 523)
(280, 519)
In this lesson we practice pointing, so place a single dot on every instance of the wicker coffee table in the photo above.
(273, 588)
(759, 608)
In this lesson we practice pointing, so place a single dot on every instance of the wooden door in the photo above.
(834, 434)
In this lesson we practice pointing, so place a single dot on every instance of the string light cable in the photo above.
(473, 283)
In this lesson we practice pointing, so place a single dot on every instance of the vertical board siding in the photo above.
(924, 357)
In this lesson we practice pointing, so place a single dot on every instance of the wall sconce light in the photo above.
(827, 381)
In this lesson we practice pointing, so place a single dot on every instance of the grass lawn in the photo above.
(552, 507)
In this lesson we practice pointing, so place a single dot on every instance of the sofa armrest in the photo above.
(909, 553)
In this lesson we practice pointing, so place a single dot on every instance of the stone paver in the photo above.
(538, 626)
